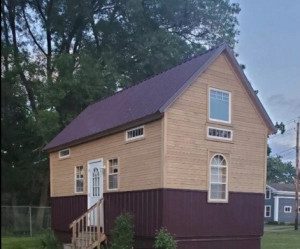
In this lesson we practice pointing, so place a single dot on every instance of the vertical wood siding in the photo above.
(187, 148)
(145, 206)
(64, 210)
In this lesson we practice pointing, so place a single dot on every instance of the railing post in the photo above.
(30, 222)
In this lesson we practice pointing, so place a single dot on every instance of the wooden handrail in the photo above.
(81, 216)
(88, 228)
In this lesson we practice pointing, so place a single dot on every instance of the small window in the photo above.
(64, 153)
(79, 179)
(287, 209)
(219, 105)
(268, 194)
(113, 174)
(298, 209)
(218, 179)
(267, 211)
(135, 133)
(217, 133)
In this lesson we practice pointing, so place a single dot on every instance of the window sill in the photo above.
(219, 140)
(212, 122)
(134, 140)
(64, 158)
(218, 201)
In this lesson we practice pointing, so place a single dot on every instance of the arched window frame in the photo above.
(222, 200)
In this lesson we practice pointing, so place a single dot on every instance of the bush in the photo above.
(122, 234)
(164, 240)
(49, 241)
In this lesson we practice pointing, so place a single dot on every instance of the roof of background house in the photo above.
(282, 186)
(144, 102)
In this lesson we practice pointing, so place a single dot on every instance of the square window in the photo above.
(219, 105)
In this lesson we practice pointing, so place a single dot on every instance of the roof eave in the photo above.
(149, 118)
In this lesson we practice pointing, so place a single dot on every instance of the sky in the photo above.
(269, 47)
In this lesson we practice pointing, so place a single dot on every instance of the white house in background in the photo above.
(280, 203)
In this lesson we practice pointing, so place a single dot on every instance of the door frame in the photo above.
(89, 177)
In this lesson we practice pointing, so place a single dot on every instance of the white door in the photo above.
(95, 181)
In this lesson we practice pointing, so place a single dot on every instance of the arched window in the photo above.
(218, 178)
(96, 182)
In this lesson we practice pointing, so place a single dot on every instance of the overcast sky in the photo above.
(269, 46)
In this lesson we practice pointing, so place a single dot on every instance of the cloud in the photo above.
(279, 100)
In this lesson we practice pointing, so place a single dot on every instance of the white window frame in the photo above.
(108, 174)
(286, 211)
(219, 138)
(270, 211)
(226, 183)
(229, 111)
(268, 197)
(61, 157)
(75, 179)
(137, 137)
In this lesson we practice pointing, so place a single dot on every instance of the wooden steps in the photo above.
(88, 229)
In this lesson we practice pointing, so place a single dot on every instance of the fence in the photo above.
(24, 220)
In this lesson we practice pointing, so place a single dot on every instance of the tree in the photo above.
(279, 171)
(59, 56)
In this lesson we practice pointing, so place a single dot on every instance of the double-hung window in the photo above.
(79, 179)
(267, 211)
(113, 174)
(218, 189)
(219, 105)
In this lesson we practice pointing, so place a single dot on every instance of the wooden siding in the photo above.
(139, 161)
(187, 148)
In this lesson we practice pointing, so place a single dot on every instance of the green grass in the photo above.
(21, 243)
(275, 237)
(280, 237)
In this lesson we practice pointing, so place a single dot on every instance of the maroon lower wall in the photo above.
(193, 221)
(64, 210)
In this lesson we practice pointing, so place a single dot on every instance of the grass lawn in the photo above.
(21, 243)
(275, 237)
(280, 237)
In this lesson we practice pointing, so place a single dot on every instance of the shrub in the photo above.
(164, 240)
(122, 233)
(49, 241)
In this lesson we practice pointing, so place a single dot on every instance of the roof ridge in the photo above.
(154, 75)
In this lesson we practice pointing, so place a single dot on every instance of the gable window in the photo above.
(79, 179)
(219, 105)
(64, 153)
(267, 211)
(113, 174)
(287, 209)
(217, 133)
(268, 194)
(218, 179)
(135, 133)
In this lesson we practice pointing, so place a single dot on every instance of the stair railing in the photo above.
(88, 229)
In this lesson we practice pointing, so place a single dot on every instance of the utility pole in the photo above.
(297, 178)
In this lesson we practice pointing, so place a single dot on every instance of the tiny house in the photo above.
(185, 150)
(280, 203)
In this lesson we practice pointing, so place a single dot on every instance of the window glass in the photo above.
(113, 173)
(79, 179)
(219, 105)
(218, 178)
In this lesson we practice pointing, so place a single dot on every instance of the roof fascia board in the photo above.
(250, 90)
(181, 90)
(243, 78)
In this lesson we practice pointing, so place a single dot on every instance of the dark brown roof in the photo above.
(282, 186)
(145, 101)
